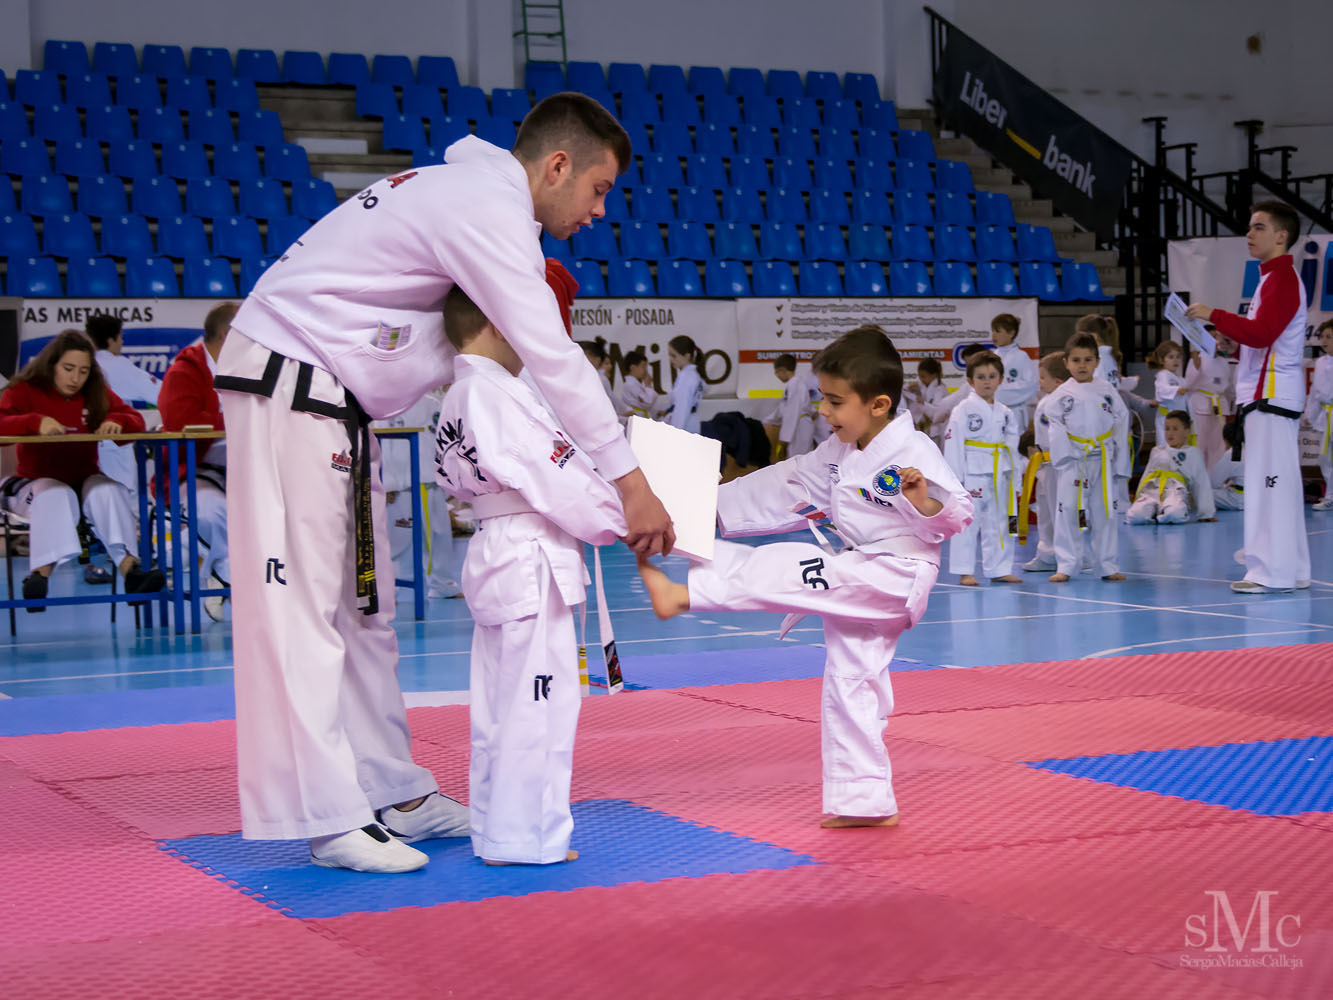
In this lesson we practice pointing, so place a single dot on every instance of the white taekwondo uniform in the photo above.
(682, 409)
(1089, 428)
(1171, 393)
(139, 389)
(1174, 489)
(1019, 387)
(867, 596)
(640, 399)
(924, 405)
(497, 447)
(1228, 479)
(1212, 385)
(1319, 415)
(980, 445)
(1107, 370)
(1043, 488)
(349, 322)
(800, 427)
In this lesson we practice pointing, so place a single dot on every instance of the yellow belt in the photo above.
(1216, 399)
(1328, 426)
(1029, 485)
(995, 448)
(1090, 445)
(1161, 477)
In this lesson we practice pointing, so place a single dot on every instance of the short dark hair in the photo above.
(1006, 321)
(867, 360)
(1326, 325)
(102, 329)
(628, 361)
(463, 318)
(595, 348)
(972, 349)
(1284, 219)
(984, 360)
(931, 366)
(578, 125)
(218, 321)
(1080, 341)
(1180, 415)
(787, 361)
(1054, 365)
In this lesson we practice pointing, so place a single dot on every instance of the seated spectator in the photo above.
(131, 383)
(62, 391)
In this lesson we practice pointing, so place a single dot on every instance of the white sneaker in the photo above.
(1038, 565)
(1325, 504)
(438, 816)
(1302, 584)
(369, 849)
(1250, 587)
(213, 605)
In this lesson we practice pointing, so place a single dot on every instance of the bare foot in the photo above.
(1114, 576)
(667, 597)
(1007, 578)
(968, 580)
(570, 855)
(1059, 578)
(847, 822)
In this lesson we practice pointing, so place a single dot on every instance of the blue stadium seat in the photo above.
(909, 278)
(722, 109)
(829, 206)
(258, 65)
(7, 198)
(108, 123)
(1037, 278)
(882, 115)
(672, 137)
(34, 278)
(156, 197)
(842, 115)
(714, 139)
(640, 108)
(913, 175)
(93, 277)
(79, 158)
(1036, 243)
(706, 171)
(662, 170)
(954, 278)
(13, 121)
(263, 128)
(24, 157)
(836, 144)
(445, 130)
(689, 241)
(211, 127)
(376, 100)
(995, 243)
(303, 67)
(236, 236)
(796, 142)
(54, 122)
(437, 71)
(868, 242)
(236, 95)
(678, 106)
(403, 133)
(181, 236)
(735, 241)
(211, 63)
(641, 240)
(632, 177)
(161, 126)
(706, 81)
(833, 175)
(823, 241)
(865, 278)
(115, 59)
(252, 269)
(468, 102)
(287, 162)
(188, 93)
(912, 207)
(954, 243)
(630, 279)
(1079, 282)
(615, 206)
(874, 144)
(68, 235)
(208, 278)
(164, 61)
(626, 78)
(697, 204)
(209, 198)
(874, 175)
(18, 236)
(822, 85)
(785, 84)
(348, 69)
(427, 156)
(995, 209)
(872, 207)
(750, 172)
(588, 273)
(756, 140)
(860, 87)
(745, 82)
(726, 279)
(774, 278)
(543, 78)
(65, 58)
(596, 243)
(679, 279)
(820, 277)
(801, 113)
(551, 247)
(508, 103)
(785, 205)
(102, 196)
(133, 159)
(953, 175)
(911, 243)
(582, 76)
(789, 172)
(497, 133)
(185, 160)
(954, 208)
(88, 90)
(666, 78)
(780, 241)
(126, 235)
(138, 92)
(638, 137)
(34, 88)
(150, 278)
(652, 205)
(996, 278)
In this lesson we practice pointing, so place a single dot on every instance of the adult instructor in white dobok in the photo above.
(347, 327)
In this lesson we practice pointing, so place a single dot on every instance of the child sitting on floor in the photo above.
(1175, 484)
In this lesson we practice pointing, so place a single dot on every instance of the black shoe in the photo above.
(138, 581)
(34, 589)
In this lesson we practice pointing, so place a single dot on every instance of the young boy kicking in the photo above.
(893, 501)
(537, 499)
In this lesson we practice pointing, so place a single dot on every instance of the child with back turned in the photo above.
(893, 501)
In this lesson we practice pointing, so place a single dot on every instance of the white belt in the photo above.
(500, 504)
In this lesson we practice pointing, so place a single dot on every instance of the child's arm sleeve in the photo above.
(1201, 487)
(1124, 461)
(955, 448)
(761, 502)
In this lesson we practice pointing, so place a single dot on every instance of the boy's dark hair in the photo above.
(1326, 325)
(1054, 365)
(578, 125)
(1027, 441)
(102, 329)
(463, 318)
(1180, 415)
(1285, 220)
(786, 362)
(1006, 321)
(972, 349)
(983, 360)
(595, 348)
(628, 361)
(931, 366)
(867, 360)
(218, 321)
(1080, 341)
(1230, 431)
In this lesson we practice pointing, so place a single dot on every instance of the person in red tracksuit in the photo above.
(62, 391)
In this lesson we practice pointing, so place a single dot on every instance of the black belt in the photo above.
(1263, 406)
(10, 486)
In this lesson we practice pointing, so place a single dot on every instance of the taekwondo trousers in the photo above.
(990, 526)
(321, 729)
(1045, 490)
(867, 602)
(52, 510)
(1086, 473)
(210, 525)
(1277, 552)
(1161, 502)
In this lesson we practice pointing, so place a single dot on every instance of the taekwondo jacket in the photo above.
(22, 406)
(1212, 382)
(1272, 338)
(687, 388)
(1019, 387)
(360, 295)
(1186, 462)
(1319, 409)
(976, 420)
(641, 400)
(1107, 369)
(126, 379)
(494, 435)
(1088, 410)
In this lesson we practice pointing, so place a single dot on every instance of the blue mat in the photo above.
(1274, 778)
(618, 841)
(63, 713)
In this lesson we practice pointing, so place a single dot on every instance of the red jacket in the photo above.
(187, 397)
(21, 410)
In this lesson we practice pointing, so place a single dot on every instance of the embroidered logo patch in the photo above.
(889, 483)
(391, 338)
(974, 423)
(1066, 405)
(562, 452)
(864, 495)
(342, 462)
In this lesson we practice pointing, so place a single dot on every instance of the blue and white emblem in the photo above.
(889, 482)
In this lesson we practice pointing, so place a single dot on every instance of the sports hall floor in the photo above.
(1107, 790)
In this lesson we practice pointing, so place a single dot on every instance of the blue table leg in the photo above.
(145, 522)
(177, 562)
(418, 570)
(193, 508)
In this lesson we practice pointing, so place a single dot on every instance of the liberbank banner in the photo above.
(1049, 145)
